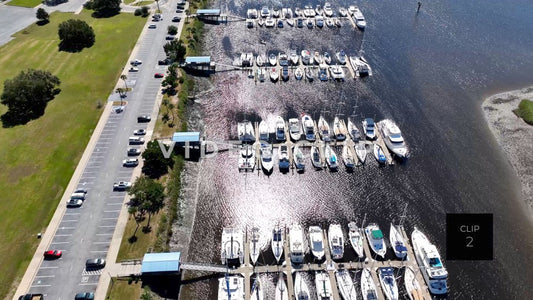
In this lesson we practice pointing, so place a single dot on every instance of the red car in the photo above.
(52, 254)
(159, 75)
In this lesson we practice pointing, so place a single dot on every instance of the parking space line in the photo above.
(45, 276)
(107, 226)
(66, 228)
(48, 267)
(98, 251)
(57, 243)
(69, 221)
(63, 235)
(111, 211)
(88, 177)
(109, 218)
(112, 204)
(100, 243)
(104, 234)
(41, 285)
(70, 214)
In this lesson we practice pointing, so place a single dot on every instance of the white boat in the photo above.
(290, 22)
(310, 23)
(327, 9)
(257, 290)
(298, 73)
(308, 128)
(339, 129)
(337, 73)
(354, 133)
(267, 161)
(414, 292)
(368, 286)
(318, 10)
(359, 19)
(306, 57)
(231, 288)
(315, 157)
(430, 263)
(323, 72)
(318, 58)
(337, 22)
(260, 60)
(276, 12)
(375, 239)
(301, 290)
(369, 128)
(323, 129)
(280, 129)
(316, 240)
(298, 158)
(298, 12)
(263, 131)
(245, 130)
(309, 12)
(331, 158)
(393, 138)
(356, 239)
(347, 157)
(360, 151)
(252, 13)
(284, 162)
(341, 57)
(336, 241)
(323, 286)
(232, 249)
(277, 243)
(379, 155)
(274, 74)
(309, 74)
(294, 58)
(260, 22)
(346, 285)
(343, 12)
(396, 241)
(247, 158)
(273, 59)
(281, 293)
(296, 246)
(329, 22)
(352, 9)
(270, 22)
(360, 66)
(388, 283)
(327, 58)
(295, 129)
(256, 245)
(319, 21)
(300, 22)
(265, 12)
(288, 13)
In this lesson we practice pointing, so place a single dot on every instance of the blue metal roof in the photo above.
(208, 12)
(182, 137)
(198, 59)
(161, 262)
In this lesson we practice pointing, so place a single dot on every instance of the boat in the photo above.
(298, 73)
(319, 21)
(379, 155)
(257, 290)
(368, 286)
(232, 249)
(283, 59)
(339, 129)
(347, 157)
(359, 19)
(331, 158)
(249, 23)
(297, 12)
(300, 22)
(280, 23)
(317, 58)
(316, 239)
(327, 9)
(341, 57)
(343, 12)
(296, 246)
(260, 60)
(309, 12)
(263, 131)
(274, 74)
(356, 239)
(360, 66)
(368, 128)
(247, 158)
(388, 283)
(329, 22)
(414, 292)
(270, 22)
(266, 157)
(272, 59)
(327, 58)
(294, 58)
(298, 158)
(301, 290)
(352, 9)
(276, 12)
(323, 129)
(280, 129)
(346, 285)
(281, 293)
(277, 243)
(261, 74)
(290, 22)
(285, 73)
(430, 263)
(323, 72)
(309, 74)
(396, 241)
(337, 73)
(354, 133)
(251, 73)
(265, 12)
(260, 22)
(323, 286)
(284, 162)
(360, 151)
(288, 13)
(231, 288)
(375, 239)
(336, 241)
(318, 10)
(295, 129)
(393, 138)
(252, 13)
(310, 24)
(306, 57)
(308, 128)
(255, 245)
(315, 157)
(337, 22)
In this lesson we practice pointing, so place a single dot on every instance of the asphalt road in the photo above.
(86, 232)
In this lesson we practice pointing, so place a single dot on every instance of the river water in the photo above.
(431, 72)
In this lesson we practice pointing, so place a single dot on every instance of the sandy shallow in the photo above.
(513, 134)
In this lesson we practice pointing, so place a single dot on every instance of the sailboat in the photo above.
(360, 151)
(347, 157)
(353, 131)
(255, 245)
(277, 243)
(368, 287)
(331, 157)
(301, 290)
(298, 158)
(257, 291)
(379, 155)
(230, 288)
(414, 292)
(397, 242)
(388, 283)
(323, 129)
(339, 129)
(281, 292)
(346, 285)
(323, 286)
(356, 239)
(315, 157)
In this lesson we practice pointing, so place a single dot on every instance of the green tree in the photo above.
(104, 8)
(138, 12)
(26, 96)
(42, 16)
(75, 35)
(175, 50)
(155, 164)
(145, 11)
(172, 30)
(148, 196)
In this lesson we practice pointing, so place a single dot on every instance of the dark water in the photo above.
(431, 72)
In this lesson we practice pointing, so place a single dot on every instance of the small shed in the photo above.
(180, 138)
(199, 63)
(161, 263)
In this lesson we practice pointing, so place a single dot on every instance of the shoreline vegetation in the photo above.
(510, 118)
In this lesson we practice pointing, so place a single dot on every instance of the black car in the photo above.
(84, 296)
(144, 119)
(166, 61)
(181, 5)
(179, 11)
(95, 263)
(134, 151)
(32, 297)
(176, 19)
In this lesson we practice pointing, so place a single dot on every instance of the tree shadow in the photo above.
(42, 22)
(74, 47)
(14, 118)
(132, 239)
(105, 13)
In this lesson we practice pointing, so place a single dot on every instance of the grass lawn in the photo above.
(143, 3)
(39, 158)
(25, 3)
(144, 241)
(525, 111)
(121, 289)
(128, 1)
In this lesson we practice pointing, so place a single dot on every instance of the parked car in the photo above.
(176, 19)
(136, 62)
(159, 75)
(53, 254)
(152, 26)
(32, 297)
(179, 10)
(166, 61)
(144, 118)
(80, 196)
(133, 69)
(139, 132)
(84, 296)
(136, 140)
(95, 263)
(170, 37)
(74, 203)
(121, 185)
(133, 151)
(130, 162)
(81, 190)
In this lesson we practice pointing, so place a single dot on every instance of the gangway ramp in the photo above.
(203, 267)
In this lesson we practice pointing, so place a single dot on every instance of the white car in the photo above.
(130, 162)
(134, 151)
(139, 132)
(136, 62)
(133, 69)
(121, 185)
(74, 203)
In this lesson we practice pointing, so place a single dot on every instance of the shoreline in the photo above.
(514, 135)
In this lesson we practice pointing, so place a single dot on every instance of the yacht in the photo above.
(323, 72)
(298, 158)
(306, 57)
(298, 73)
(368, 287)
(336, 241)
(343, 12)
(396, 241)
(280, 129)
(315, 157)
(310, 23)
(388, 283)
(327, 58)
(277, 243)
(260, 60)
(319, 21)
(414, 292)
(356, 239)
(368, 128)
(284, 162)
(285, 73)
(296, 246)
(281, 292)
(347, 158)
(270, 22)
(379, 155)
(246, 132)
(276, 12)
(272, 59)
(323, 286)
(301, 290)
(274, 74)
(267, 161)
(359, 19)
(257, 290)
(295, 129)
(294, 58)
(327, 9)
(339, 129)
(360, 151)
(337, 73)
(346, 285)
(309, 74)
(252, 13)
(263, 131)
(430, 263)
(331, 158)
(353, 131)
(393, 138)
(231, 288)
(341, 57)
(323, 129)
(308, 128)
(375, 239)
(319, 10)
(360, 66)
(232, 251)
(317, 58)
(255, 244)
(247, 158)
(316, 239)
(265, 12)
(329, 22)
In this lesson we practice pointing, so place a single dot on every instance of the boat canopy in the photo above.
(435, 262)
(377, 234)
(396, 138)
(369, 122)
(400, 248)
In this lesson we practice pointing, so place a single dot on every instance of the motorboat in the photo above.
(310, 24)
(298, 158)
(323, 129)
(249, 23)
(298, 73)
(272, 59)
(337, 73)
(319, 21)
(246, 132)
(280, 129)
(276, 12)
(323, 286)
(281, 293)
(354, 133)
(318, 10)
(331, 158)
(316, 240)
(327, 58)
(263, 131)
(343, 12)
(323, 72)
(290, 22)
(274, 74)
(360, 66)
(261, 74)
(352, 9)
(359, 19)
(301, 290)
(346, 285)
(232, 249)
(231, 288)
(295, 129)
(397, 242)
(283, 12)
(300, 22)
(375, 239)
(251, 73)
(296, 246)
(294, 58)
(306, 57)
(260, 22)
(414, 292)
(284, 162)
(360, 151)
(267, 162)
(329, 22)
(339, 129)
(280, 23)
(265, 12)
(341, 57)
(277, 242)
(337, 22)
(356, 239)
(393, 138)
(379, 155)
(315, 157)
(251, 13)
(247, 158)
(309, 12)
(309, 74)
(270, 22)
(318, 58)
(308, 127)
(368, 128)
(327, 9)
(297, 12)
(388, 283)
(257, 290)
(260, 60)
(347, 157)
(288, 13)
(336, 241)
(368, 286)
(256, 245)
(430, 263)
(285, 73)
